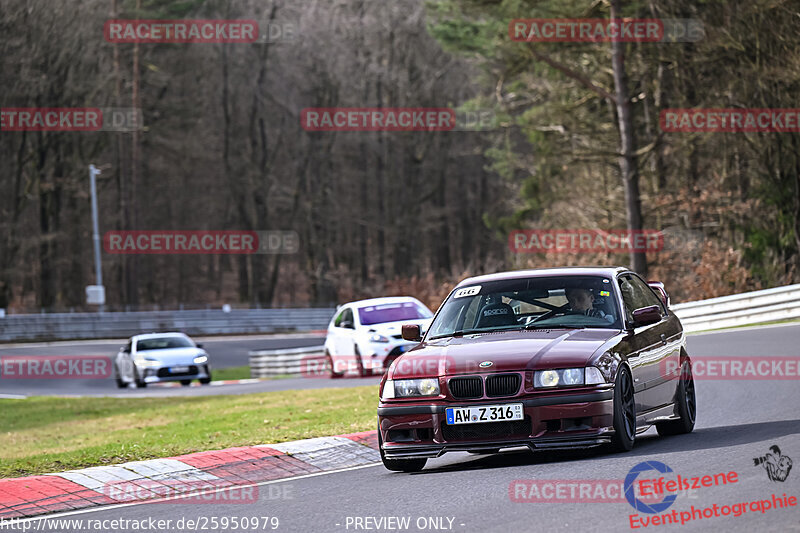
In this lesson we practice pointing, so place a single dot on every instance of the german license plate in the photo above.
(179, 369)
(484, 413)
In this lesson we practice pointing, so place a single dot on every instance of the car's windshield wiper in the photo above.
(456, 333)
(551, 326)
(462, 332)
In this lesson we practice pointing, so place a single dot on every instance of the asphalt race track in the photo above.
(738, 420)
(224, 352)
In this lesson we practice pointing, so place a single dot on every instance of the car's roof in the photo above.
(384, 300)
(158, 335)
(541, 272)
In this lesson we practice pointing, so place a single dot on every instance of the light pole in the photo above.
(96, 294)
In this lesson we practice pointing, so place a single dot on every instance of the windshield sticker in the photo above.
(467, 291)
(605, 293)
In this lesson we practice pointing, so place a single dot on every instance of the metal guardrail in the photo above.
(308, 361)
(749, 308)
(66, 326)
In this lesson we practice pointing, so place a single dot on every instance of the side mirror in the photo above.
(348, 325)
(122, 349)
(646, 315)
(661, 291)
(199, 345)
(411, 332)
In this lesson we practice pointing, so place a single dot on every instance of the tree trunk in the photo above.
(627, 161)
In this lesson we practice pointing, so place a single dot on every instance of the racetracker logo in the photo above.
(405, 367)
(605, 30)
(731, 120)
(201, 242)
(119, 119)
(378, 119)
(193, 491)
(181, 31)
(572, 491)
(736, 368)
(54, 367)
(585, 241)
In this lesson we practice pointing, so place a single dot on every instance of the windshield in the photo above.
(394, 312)
(540, 302)
(162, 343)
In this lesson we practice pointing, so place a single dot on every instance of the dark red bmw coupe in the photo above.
(548, 359)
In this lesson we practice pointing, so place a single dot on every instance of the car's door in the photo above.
(346, 335)
(648, 345)
(332, 340)
(669, 336)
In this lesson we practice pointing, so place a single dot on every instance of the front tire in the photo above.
(363, 372)
(120, 384)
(206, 380)
(140, 383)
(331, 367)
(400, 465)
(687, 405)
(624, 413)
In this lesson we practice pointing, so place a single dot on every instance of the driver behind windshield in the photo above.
(582, 300)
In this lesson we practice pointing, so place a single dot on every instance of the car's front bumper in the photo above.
(552, 421)
(378, 355)
(158, 374)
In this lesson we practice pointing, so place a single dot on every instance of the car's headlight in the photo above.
(567, 377)
(409, 388)
(200, 359)
(378, 338)
(147, 361)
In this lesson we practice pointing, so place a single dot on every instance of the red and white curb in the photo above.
(188, 478)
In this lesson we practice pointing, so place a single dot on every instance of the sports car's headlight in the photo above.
(567, 377)
(200, 359)
(378, 338)
(408, 388)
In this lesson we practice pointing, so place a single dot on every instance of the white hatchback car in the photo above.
(157, 357)
(366, 335)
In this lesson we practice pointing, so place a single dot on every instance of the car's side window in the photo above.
(347, 319)
(338, 320)
(127, 348)
(636, 294)
(647, 297)
(628, 297)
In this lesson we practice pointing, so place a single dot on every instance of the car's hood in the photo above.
(507, 351)
(172, 356)
(389, 329)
